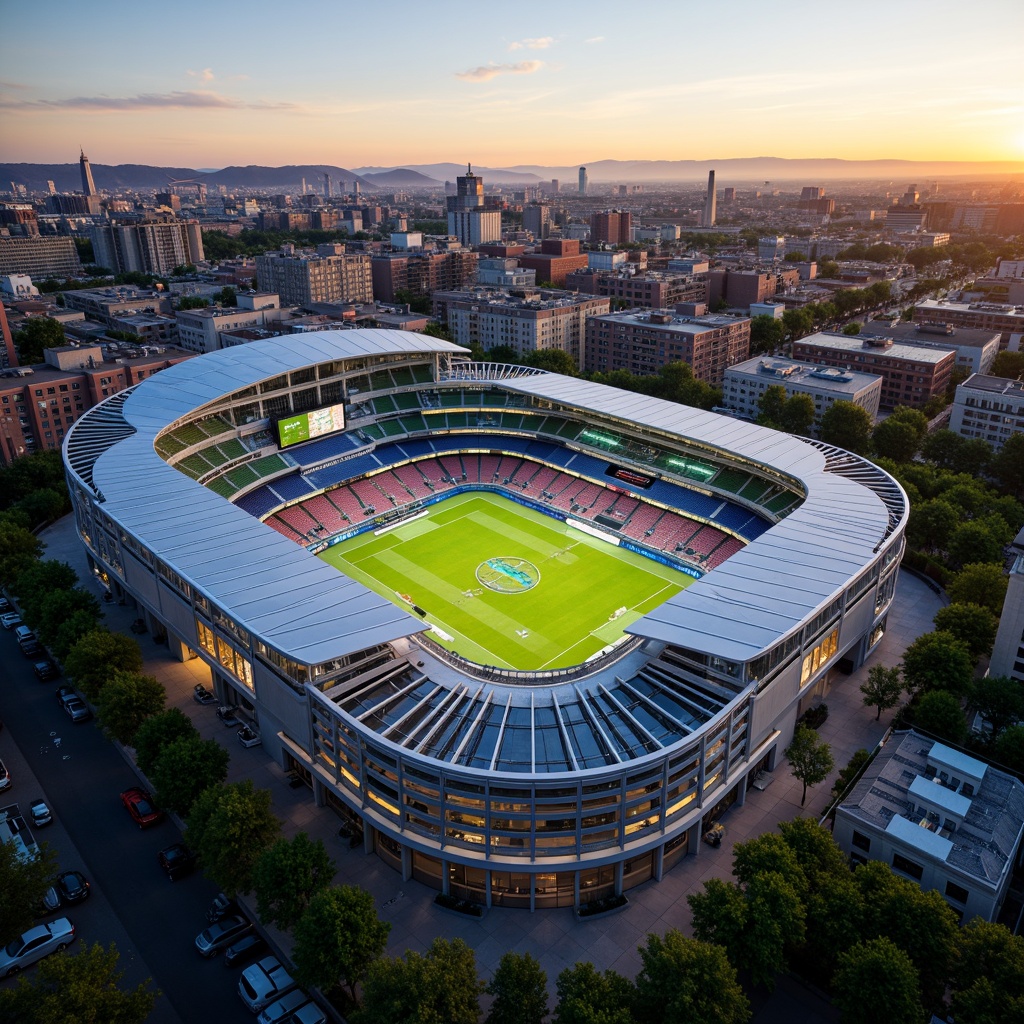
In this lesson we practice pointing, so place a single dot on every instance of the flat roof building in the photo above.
(39, 256)
(302, 278)
(975, 349)
(938, 817)
(653, 290)
(911, 375)
(991, 408)
(746, 382)
(986, 316)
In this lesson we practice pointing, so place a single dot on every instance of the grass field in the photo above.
(562, 619)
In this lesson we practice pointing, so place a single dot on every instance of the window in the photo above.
(861, 842)
(957, 892)
(907, 867)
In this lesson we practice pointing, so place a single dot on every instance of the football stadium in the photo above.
(526, 634)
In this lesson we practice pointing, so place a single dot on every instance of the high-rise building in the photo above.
(39, 256)
(302, 279)
(537, 220)
(327, 186)
(613, 227)
(150, 245)
(709, 202)
(468, 218)
(584, 181)
(50, 187)
(88, 185)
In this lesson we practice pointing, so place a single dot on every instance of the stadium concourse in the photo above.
(528, 788)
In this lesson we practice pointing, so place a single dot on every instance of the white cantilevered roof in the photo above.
(294, 601)
(771, 586)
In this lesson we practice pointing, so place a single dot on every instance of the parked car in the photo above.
(45, 670)
(280, 1010)
(264, 982)
(229, 716)
(34, 944)
(5, 605)
(32, 649)
(40, 813)
(203, 694)
(10, 619)
(77, 709)
(5, 777)
(221, 906)
(64, 693)
(177, 860)
(248, 946)
(248, 736)
(308, 1014)
(140, 806)
(221, 934)
(50, 903)
(73, 887)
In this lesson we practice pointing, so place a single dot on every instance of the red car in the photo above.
(140, 807)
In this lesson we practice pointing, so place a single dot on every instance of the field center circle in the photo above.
(506, 575)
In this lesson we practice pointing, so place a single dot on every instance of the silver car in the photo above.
(34, 944)
(221, 934)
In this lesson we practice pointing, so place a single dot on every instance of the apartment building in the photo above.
(556, 259)
(976, 350)
(39, 256)
(911, 375)
(108, 305)
(653, 290)
(644, 341)
(302, 278)
(148, 244)
(612, 227)
(991, 408)
(422, 273)
(983, 316)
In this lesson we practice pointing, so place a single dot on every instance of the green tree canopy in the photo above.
(798, 415)
(80, 988)
(23, 883)
(1008, 364)
(19, 549)
(97, 655)
(770, 406)
(1007, 465)
(440, 987)
(287, 876)
(229, 827)
(895, 439)
(766, 334)
(687, 980)
(999, 700)
(37, 582)
(1010, 748)
(338, 938)
(938, 661)
(62, 607)
(882, 689)
(520, 990)
(797, 323)
(932, 524)
(126, 700)
(848, 426)
(185, 768)
(980, 583)
(988, 974)
(160, 731)
(876, 974)
(971, 624)
(810, 758)
(588, 996)
(37, 334)
(939, 712)
(974, 542)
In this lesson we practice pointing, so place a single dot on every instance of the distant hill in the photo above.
(440, 173)
(400, 176)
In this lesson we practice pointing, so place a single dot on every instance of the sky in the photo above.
(210, 84)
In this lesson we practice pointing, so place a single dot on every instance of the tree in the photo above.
(38, 333)
(37, 582)
(798, 415)
(84, 988)
(770, 406)
(999, 700)
(895, 439)
(19, 548)
(227, 296)
(126, 700)
(193, 302)
(851, 329)
(846, 426)
(64, 606)
(587, 996)
(158, 732)
(974, 542)
(971, 624)
(1007, 465)
(337, 938)
(23, 883)
(932, 524)
(938, 661)
(882, 689)
(520, 990)
(796, 323)
(229, 827)
(44, 506)
(1010, 748)
(439, 988)
(436, 330)
(552, 359)
(876, 974)
(980, 583)
(1008, 364)
(848, 775)
(809, 757)
(184, 769)
(98, 654)
(988, 974)
(687, 980)
(766, 334)
(939, 712)
(287, 876)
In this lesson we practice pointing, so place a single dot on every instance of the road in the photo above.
(152, 921)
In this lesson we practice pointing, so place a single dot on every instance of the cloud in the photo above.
(541, 43)
(489, 71)
(206, 75)
(594, 39)
(154, 101)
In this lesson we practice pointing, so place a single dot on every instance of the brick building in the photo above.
(613, 227)
(422, 273)
(985, 316)
(556, 259)
(302, 278)
(652, 290)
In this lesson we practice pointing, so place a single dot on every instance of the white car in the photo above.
(282, 1009)
(9, 619)
(308, 1014)
(264, 982)
(40, 813)
(34, 944)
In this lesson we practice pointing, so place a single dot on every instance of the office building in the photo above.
(642, 342)
(526, 323)
(911, 375)
(745, 384)
(88, 185)
(39, 256)
(108, 304)
(537, 220)
(990, 408)
(200, 330)
(975, 349)
(985, 316)
(583, 181)
(497, 272)
(150, 244)
(469, 219)
(740, 288)
(422, 273)
(651, 290)
(302, 278)
(613, 227)
(937, 817)
(556, 259)
(709, 203)
(1008, 652)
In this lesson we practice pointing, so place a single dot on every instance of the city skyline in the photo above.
(207, 87)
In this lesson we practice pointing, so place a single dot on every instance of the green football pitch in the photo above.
(507, 586)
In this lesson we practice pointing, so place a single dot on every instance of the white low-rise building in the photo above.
(991, 408)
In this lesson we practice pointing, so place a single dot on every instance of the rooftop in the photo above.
(667, 320)
(830, 377)
(994, 385)
(931, 334)
(869, 344)
(973, 307)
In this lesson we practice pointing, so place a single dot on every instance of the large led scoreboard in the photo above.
(305, 426)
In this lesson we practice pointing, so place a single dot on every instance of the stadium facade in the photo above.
(500, 786)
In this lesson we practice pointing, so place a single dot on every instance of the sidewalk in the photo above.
(555, 937)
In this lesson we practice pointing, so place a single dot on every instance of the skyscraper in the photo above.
(88, 185)
(583, 181)
(327, 186)
(468, 218)
(709, 202)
